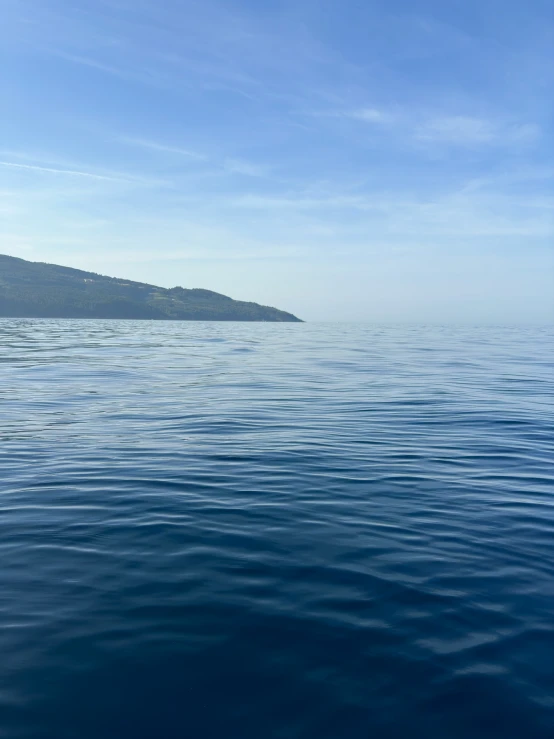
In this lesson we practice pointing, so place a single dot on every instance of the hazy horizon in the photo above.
(341, 161)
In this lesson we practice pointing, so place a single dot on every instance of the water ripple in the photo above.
(274, 530)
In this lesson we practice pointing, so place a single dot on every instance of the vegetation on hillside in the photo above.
(38, 290)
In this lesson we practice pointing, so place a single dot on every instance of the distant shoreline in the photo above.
(40, 290)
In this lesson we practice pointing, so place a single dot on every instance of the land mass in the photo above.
(39, 290)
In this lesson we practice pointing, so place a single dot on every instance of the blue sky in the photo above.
(350, 160)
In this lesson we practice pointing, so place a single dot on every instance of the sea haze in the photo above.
(275, 530)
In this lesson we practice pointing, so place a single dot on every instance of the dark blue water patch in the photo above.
(266, 530)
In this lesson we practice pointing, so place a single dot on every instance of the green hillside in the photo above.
(38, 290)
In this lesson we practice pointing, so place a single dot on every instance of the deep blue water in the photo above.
(275, 531)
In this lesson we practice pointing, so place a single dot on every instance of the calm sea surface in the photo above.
(262, 531)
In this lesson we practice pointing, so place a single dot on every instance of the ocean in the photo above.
(289, 531)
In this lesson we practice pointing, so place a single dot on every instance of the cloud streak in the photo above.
(240, 166)
(229, 165)
(163, 148)
(369, 115)
(464, 130)
(70, 172)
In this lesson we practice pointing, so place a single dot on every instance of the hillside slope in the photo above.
(39, 290)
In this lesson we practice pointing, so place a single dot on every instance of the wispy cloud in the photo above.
(87, 61)
(230, 165)
(202, 253)
(457, 130)
(463, 130)
(524, 132)
(369, 115)
(362, 114)
(300, 202)
(459, 213)
(49, 166)
(505, 179)
(240, 166)
(422, 127)
(71, 172)
(161, 147)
